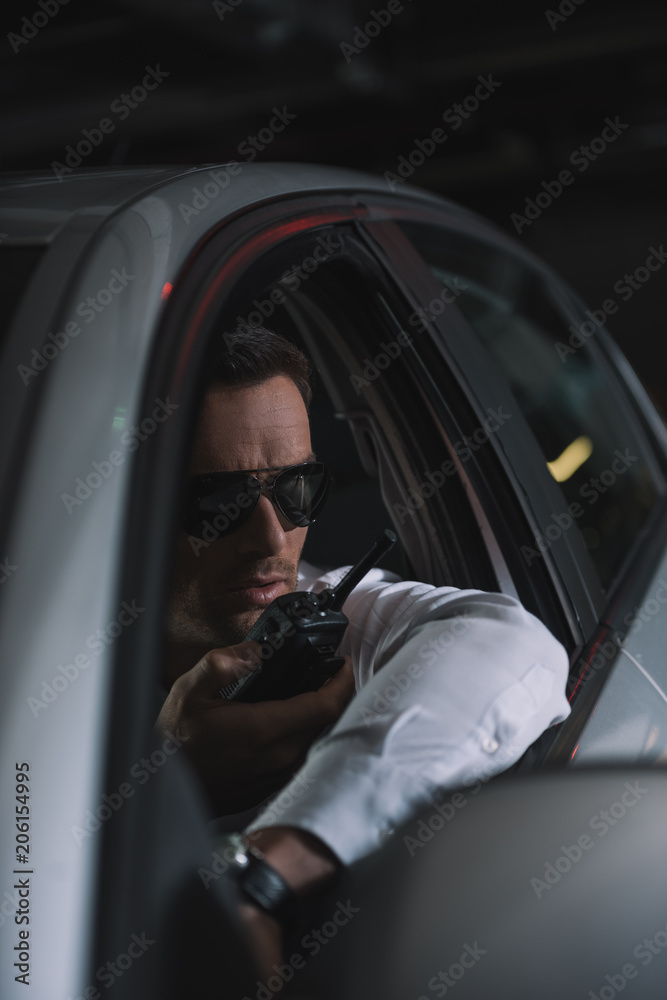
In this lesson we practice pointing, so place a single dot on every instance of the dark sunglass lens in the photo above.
(218, 505)
(301, 492)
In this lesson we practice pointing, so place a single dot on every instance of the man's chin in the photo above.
(222, 620)
(237, 626)
(229, 629)
(216, 633)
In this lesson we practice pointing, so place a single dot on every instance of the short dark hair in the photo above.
(255, 355)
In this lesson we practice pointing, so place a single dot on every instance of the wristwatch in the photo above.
(257, 879)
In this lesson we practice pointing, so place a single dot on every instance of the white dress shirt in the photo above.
(452, 687)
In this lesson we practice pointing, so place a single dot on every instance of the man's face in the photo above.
(220, 592)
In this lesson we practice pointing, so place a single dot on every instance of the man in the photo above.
(468, 681)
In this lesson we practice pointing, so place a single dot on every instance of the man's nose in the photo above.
(265, 530)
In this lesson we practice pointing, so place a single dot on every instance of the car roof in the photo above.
(35, 205)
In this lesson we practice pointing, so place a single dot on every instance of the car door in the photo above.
(104, 361)
(585, 454)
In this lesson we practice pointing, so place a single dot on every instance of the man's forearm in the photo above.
(303, 860)
(460, 701)
(306, 864)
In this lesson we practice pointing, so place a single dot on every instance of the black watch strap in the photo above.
(258, 880)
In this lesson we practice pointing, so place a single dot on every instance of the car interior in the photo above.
(379, 443)
(382, 422)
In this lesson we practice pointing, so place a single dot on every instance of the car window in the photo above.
(370, 422)
(568, 399)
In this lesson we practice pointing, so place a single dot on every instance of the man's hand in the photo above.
(243, 752)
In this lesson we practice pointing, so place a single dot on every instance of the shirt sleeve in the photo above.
(454, 686)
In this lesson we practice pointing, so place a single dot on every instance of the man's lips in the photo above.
(260, 590)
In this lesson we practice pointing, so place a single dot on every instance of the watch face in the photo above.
(241, 855)
(261, 883)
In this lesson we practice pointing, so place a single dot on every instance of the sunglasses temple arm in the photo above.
(340, 593)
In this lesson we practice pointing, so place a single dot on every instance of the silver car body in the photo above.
(122, 239)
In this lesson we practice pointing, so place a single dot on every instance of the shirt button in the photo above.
(489, 744)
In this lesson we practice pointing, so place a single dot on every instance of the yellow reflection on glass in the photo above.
(571, 459)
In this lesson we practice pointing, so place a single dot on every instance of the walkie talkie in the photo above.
(300, 633)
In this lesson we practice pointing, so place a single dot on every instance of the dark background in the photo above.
(229, 67)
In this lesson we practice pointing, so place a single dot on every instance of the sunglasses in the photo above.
(219, 503)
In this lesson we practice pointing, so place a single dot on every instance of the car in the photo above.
(464, 396)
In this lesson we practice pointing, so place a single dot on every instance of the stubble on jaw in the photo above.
(194, 619)
(187, 627)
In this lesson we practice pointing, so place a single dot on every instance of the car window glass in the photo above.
(567, 398)
(340, 315)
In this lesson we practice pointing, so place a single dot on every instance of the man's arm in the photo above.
(460, 701)
(306, 864)
(244, 752)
